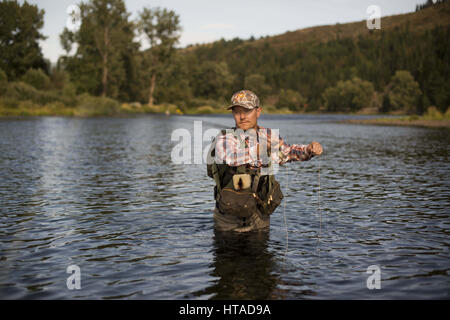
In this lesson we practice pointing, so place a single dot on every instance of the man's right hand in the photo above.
(315, 148)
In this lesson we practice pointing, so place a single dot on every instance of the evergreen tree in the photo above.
(257, 83)
(3, 81)
(212, 80)
(20, 34)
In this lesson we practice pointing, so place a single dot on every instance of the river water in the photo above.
(104, 194)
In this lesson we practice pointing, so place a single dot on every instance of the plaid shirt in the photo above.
(236, 148)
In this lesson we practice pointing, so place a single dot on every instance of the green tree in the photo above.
(349, 96)
(20, 26)
(174, 82)
(36, 78)
(212, 80)
(59, 78)
(104, 40)
(3, 81)
(161, 28)
(404, 93)
(257, 83)
(3, 78)
(291, 99)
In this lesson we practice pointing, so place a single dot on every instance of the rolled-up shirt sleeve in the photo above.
(293, 152)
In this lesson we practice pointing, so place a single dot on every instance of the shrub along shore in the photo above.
(36, 94)
(432, 119)
(39, 95)
(89, 106)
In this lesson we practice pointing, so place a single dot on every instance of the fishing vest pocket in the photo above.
(272, 199)
(237, 203)
(275, 198)
(242, 181)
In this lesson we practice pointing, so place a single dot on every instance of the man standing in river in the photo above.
(246, 191)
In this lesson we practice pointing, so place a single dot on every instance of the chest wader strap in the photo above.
(271, 177)
(216, 176)
(214, 168)
(256, 183)
(271, 180)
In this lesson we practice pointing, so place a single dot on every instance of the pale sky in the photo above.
(208, 20)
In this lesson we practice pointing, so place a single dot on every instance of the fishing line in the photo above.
(284, 214)
(318, 209)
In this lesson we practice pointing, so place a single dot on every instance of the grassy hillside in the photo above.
(306, 62)
(417, 22)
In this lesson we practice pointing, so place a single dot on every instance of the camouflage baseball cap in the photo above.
(244, 98)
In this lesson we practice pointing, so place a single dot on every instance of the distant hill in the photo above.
(426, 19)
(308, 61)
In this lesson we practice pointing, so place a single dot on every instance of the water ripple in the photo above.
(103, 194)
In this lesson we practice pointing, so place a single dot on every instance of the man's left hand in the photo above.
(315, 148)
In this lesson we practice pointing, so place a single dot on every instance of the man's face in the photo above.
(246, 118)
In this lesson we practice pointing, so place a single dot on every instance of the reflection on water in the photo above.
(103, 194)
(243, 265)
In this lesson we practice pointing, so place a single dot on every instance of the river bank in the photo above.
(414, 121)
(432, 118)
(97, 107)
